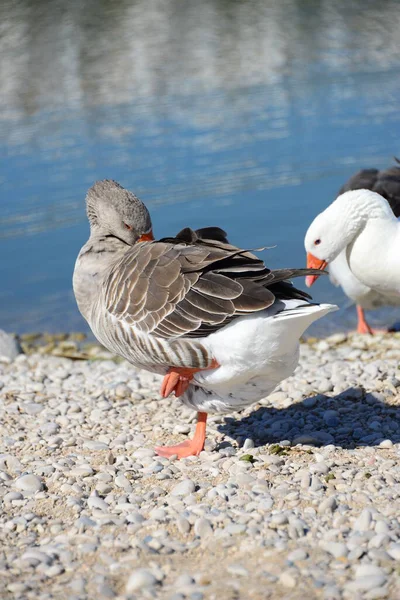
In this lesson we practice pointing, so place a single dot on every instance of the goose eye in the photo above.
(128, 226)
(317, 242)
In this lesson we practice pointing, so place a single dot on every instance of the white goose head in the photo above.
(114, 211)
(337, 226)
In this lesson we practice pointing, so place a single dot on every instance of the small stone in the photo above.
(319, 467)
(81, 471)
(35, 556)
(328, 505)
(10, 496)
(306, 440)
(394, 551)
(382, 527)
(17, 587)
(248, 443)
(9, 346)
(184, 580)
(363, 521)
(139, 579)
(29, 483)
(237, 569)
(366, 583)
(158, 514)
(368, 570)
(99, 503)
(183, 525)
(297, 555)
(202, 527)
(184, 488)
(235, 528)
(93, 445)
(380, 539)
(376, 593)
(181, 429)
(336, 549)
(84, 522)
(386, 444)
(287, 579)
(279, 519)
(309, 403)
(123, 391)
(331, 592)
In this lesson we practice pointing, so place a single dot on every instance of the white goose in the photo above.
(362, 224)
(387, 184)
(222, 327)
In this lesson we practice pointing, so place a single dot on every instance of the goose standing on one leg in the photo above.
(387, 184)
(212, 318)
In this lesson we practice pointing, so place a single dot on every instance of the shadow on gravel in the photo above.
(351, 419)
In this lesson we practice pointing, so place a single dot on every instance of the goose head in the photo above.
(338, 225)
(114, 211)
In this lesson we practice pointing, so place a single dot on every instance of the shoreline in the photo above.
(297, 496)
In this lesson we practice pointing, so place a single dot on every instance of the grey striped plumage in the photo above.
(155, 302)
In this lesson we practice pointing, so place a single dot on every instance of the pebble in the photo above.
(363, 522)
(394, 551)
(29, 483)
(183, 488)
(297, 555)
(386, 444)
(202, 527)
(140, 579)
(237, 569)
(287, 579)
(10, 496)
(81, 471)
(328, 505)
(366, 583)
(248, 443)
(337, 549)
(9, 347)
(98, 503)
(123, 391)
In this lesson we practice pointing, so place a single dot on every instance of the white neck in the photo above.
(363, 205)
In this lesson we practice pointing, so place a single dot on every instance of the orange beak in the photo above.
(314, 263)
(146, 237)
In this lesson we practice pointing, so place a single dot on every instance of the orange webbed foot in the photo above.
(183, 450)
(188, 447)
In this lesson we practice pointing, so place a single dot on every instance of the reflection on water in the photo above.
(247, 114)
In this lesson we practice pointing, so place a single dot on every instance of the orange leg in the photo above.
(178, 379)
(362, 325)
(189, 447)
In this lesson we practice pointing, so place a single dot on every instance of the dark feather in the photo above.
(212, 233)
(386, 183)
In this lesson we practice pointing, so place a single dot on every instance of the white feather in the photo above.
(255, 354)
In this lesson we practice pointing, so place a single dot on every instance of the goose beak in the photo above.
(314, 263)
(147, 237)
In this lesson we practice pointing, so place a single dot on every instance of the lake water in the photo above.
(247, 115)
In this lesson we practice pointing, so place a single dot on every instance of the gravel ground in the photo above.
(297, 497)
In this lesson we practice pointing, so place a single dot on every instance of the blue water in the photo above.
(247, 115)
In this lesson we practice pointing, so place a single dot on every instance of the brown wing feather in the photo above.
(189, 287)
(172, 289)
